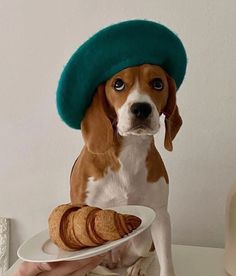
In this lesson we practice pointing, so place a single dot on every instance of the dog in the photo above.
(120, 165)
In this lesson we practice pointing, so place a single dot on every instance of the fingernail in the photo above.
(46, 266)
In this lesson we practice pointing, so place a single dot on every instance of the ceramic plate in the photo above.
(40, 248)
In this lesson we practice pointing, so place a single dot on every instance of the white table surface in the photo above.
(194, 261)
(198, 261)
(189, 261)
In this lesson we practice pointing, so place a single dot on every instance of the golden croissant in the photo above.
(73, 227)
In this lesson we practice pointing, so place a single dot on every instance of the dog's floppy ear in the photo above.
(173, 120)
(96, 127)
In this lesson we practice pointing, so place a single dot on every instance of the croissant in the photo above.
(73, 227)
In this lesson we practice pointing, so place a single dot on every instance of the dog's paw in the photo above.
(137, 269)
(111, 261)
(141, 266)
(110, 265)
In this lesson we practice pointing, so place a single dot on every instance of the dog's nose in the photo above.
(141, 110)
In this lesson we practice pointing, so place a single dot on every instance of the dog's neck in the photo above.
(132, 143)
(133, 153)
(137, 139)
(139, 151)
(138, 144)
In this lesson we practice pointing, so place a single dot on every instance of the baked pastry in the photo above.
(73, 227)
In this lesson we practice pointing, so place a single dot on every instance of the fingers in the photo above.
(87, 268)
(31, 269)
(69, 267)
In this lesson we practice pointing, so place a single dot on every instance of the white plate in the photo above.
(40, 248)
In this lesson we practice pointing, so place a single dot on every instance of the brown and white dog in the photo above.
(120, 165)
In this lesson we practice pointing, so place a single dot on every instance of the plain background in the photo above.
(37, 150)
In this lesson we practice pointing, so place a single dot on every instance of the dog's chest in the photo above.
(129, 184)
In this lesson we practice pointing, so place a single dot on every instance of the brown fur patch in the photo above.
(155, 165)
(152, 247)
(91, 165)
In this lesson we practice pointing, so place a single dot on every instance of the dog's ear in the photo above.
(173, 120)
(96, 127)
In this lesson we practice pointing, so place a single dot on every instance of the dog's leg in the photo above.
(141, 266)
(139, 254)
(161, 236)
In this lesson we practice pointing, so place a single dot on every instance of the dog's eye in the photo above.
(119, 85)
(157, 84)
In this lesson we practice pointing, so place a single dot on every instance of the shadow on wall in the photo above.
(15, 241)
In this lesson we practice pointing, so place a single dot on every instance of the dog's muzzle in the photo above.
(139, 118)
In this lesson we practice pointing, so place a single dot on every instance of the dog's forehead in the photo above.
(143, 70)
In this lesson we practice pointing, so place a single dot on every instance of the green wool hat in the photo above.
(126, 44)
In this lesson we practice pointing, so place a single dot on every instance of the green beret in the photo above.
(126, 44)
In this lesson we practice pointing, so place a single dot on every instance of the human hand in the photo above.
(78, 268)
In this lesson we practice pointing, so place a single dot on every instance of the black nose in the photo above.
(141, 110)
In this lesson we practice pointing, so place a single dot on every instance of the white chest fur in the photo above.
(128, 185)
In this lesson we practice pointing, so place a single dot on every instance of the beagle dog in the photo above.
(120, 165)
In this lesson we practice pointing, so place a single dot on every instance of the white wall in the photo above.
(38, 150)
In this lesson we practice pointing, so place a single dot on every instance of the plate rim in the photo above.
(73, 258)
